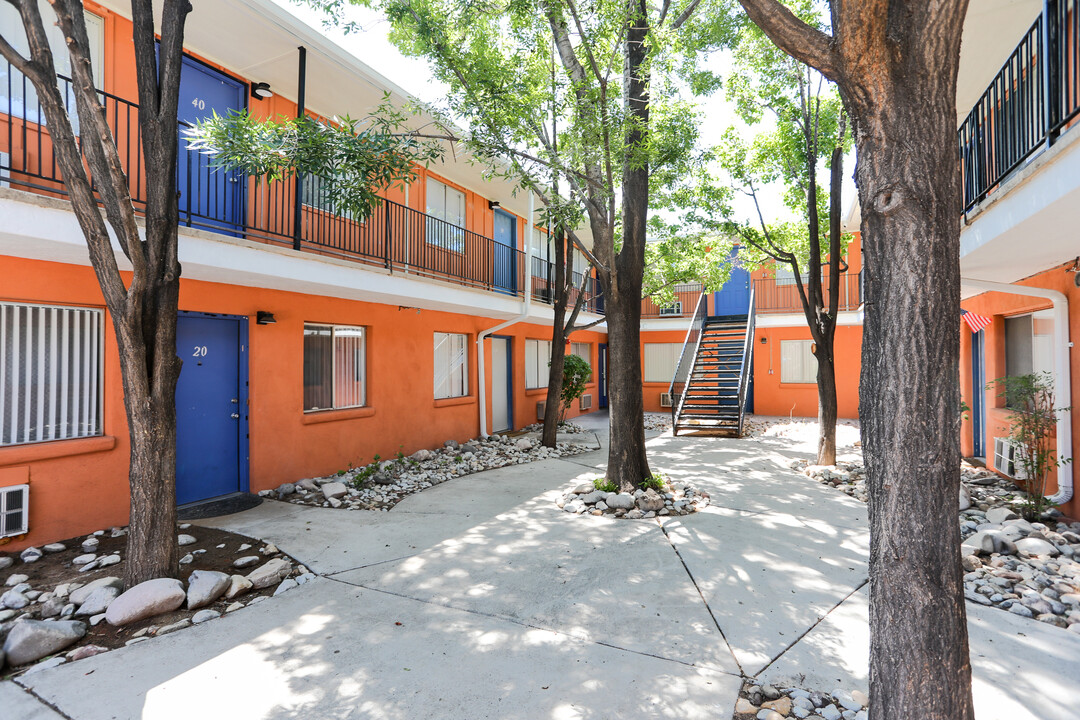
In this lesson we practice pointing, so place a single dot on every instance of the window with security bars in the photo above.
(14, 510)
(334, 367)
(451, 365)
(50, 373)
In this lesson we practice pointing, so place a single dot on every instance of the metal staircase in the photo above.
(708, 391)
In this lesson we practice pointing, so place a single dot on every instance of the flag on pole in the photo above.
(975, 322)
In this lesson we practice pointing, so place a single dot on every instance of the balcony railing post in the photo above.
(298, 200)
(386, 236)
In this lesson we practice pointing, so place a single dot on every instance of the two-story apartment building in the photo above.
(311, 339)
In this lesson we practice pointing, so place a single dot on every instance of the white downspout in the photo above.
(1062, 377)
(527, 281)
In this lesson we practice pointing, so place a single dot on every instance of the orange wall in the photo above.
(772, 397)
(81, 485)
(998, 306)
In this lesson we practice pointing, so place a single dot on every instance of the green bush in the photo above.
(605, 485)
(576, 374)
(657, 482)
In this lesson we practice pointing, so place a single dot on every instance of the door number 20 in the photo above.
(200, 351)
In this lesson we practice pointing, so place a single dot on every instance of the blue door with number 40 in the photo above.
(211, 407)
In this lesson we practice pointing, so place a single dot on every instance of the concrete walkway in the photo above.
(478, 598)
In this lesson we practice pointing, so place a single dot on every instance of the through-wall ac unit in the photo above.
(5, 170)
(1008, 458)
(14, 510)
(586, 402)
(541, 409)
(675, 309)
(665, 399)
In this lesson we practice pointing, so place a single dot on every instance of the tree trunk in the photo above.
(627, 461)
(826, 387)
(910, 395)
(553, 411)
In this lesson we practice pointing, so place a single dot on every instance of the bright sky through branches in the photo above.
(374, 48)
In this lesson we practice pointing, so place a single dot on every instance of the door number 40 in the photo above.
(198, 104)
(200, 351)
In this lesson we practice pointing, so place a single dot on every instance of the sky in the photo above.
(373, 46)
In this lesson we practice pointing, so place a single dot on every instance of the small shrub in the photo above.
(605, 485)
(657, 482)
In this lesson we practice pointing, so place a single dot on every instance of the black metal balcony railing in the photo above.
(394, 236)
(1033, 98)
(774, 297)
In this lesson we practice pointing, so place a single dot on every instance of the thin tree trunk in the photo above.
(826, 385)
(553, 411)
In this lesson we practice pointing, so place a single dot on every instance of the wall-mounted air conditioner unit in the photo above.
(586, 402)
(665, 399)
(1008, 458)
(14, 510)
(541, 409)
(5, 170)
(675, 309)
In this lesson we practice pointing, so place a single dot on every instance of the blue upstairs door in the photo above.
(210, 198)
(734, 297)
(503, 253)
(208, 408)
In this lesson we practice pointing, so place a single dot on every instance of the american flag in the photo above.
(975, 322)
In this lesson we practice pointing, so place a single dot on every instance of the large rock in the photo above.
(79, 595)
(650, 501)
(334, 490)
(594, 497)
(30, 555)
(238, 585)
(965, 499)
(1035, 546)
(6, 562)
(204, 587)
(146, 599)
(31, 640)
(98, 601)
(620, 501)
(999, 515)
(269, 574)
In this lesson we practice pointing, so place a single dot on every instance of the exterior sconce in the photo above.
(492, 204)
(764, 339)
(263, 317)
(261, 91)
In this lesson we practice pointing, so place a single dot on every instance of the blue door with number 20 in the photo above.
(211, 422)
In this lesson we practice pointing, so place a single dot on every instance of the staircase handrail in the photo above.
(687, 359)
(744, 368)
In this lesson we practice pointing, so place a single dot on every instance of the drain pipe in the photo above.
(1062, 381)
(483, 335)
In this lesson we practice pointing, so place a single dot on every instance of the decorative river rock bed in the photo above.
(381, 485)
(588, 499)
(765, 702)
(58, 605)
(1030, 569)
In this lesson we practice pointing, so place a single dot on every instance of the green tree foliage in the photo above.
(358, 157)
(1033, 428)
(576, 374)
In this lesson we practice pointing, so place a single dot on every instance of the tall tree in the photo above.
(895, 63)
(611, 59)
(144, 310)
(809, 131)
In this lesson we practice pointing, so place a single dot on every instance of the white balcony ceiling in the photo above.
(992, 30)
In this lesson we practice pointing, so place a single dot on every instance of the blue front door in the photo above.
(210, 198)
(734, 297)
(503, 252)
(978, 393)
(210, 422)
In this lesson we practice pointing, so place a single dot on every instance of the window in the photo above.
(537, 360)
(451, 365)
(583, 351)
(23, 100)
(661, 360)
(1029, 344)
(334, 367)
(50, 373)
(315, 193)
(446, 216)
(786, 276)
(797, 362)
